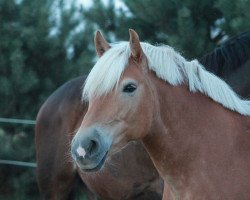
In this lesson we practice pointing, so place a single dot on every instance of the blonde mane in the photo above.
(169, 66)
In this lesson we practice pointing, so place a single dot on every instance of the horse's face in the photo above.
(112, 120)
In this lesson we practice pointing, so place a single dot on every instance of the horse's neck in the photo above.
(190, 132)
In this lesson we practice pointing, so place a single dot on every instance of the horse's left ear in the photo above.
(101, 45)
(135, 46)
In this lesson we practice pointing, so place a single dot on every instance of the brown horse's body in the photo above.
(194, 127)
(128, 175)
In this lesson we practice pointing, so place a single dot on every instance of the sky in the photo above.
(87, 3)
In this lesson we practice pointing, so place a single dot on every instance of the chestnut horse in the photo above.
(62, 114)
(129, 174)
(193, 125)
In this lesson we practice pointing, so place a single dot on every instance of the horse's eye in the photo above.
(129, 88)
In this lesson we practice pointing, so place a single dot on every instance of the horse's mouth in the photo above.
(98, 166)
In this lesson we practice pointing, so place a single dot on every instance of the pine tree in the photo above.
(191, 27)
(38, 53)
(236, 15)
(33, 61)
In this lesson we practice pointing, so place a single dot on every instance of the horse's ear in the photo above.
(135, 47)
(101, 45)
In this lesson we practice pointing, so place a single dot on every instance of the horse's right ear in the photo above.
(101, 45)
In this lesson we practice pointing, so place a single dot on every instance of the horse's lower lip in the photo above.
(97, 167)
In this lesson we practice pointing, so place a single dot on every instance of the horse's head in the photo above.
(121, 104)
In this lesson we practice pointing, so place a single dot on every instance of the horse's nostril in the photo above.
(93, 146)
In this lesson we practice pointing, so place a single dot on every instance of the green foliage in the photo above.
(186, 25)
(236, 14)
(34, 61)
(17, 182)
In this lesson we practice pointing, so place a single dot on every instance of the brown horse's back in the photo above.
(128, 175)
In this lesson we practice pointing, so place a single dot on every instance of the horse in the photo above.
(195, 128)
(231, 61)
(57, 122)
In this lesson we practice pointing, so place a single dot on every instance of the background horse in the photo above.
(231, 61)
(194, 127)
(60, 117)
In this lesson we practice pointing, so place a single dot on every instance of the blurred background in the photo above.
(45, 43)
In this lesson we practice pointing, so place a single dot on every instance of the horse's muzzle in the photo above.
(89, 149)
